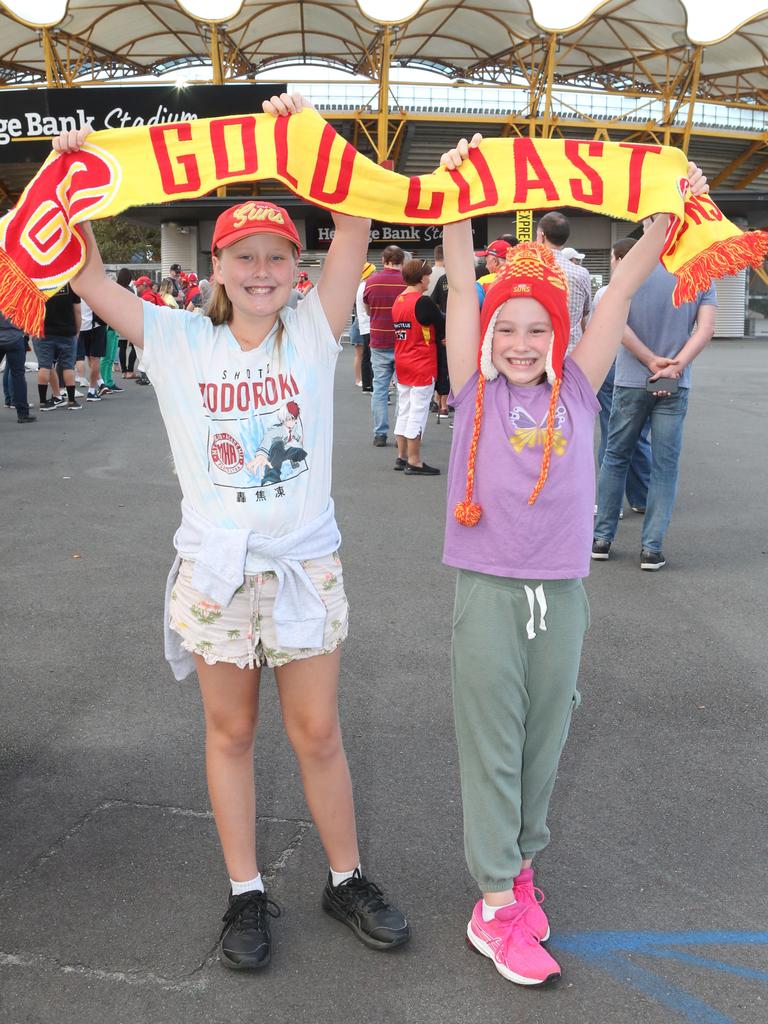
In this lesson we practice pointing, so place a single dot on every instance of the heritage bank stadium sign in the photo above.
(320, 232)
(30, 117)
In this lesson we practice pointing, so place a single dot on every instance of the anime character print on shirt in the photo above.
(255, 432)
(280, 451)
(528, 432)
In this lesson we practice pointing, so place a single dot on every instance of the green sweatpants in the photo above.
(516, 651)
(106, 364)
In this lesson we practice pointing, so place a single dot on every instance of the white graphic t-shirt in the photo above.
(256, 425)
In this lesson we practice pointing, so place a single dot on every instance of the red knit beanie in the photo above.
(531, 271)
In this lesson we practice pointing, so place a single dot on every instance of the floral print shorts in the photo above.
(243, 633)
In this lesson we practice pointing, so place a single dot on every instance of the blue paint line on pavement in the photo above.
(689, 1007)
(586, 943)
(710, 965)
(610, 952)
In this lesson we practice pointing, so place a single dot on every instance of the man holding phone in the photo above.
(653, 377)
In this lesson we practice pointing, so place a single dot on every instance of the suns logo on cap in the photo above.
(251, 211)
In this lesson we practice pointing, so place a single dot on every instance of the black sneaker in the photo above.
(422, 470)
(60, 402)
(380, 441)
(47, 405)
(93, 396)
(601, 550)
(74, 405)
(26, 418)
(103, 390)
(360, 905)
(651, 560)
(113, 389)
(246, 940)
(400, 464)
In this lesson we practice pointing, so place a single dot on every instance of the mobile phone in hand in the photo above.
(669, 384)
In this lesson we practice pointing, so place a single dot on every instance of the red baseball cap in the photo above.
(192, 278)
(498, 248)
(250, 218)
(143, 281)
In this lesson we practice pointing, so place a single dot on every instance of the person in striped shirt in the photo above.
(381, 290)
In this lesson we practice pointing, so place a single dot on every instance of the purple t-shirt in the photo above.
(552, 539)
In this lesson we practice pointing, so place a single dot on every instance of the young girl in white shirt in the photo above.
(246, 394)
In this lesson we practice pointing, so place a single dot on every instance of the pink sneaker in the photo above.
(510, 943)
(531, 897)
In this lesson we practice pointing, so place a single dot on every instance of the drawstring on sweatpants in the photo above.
(538, 594)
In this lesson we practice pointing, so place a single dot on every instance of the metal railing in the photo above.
(567, 103)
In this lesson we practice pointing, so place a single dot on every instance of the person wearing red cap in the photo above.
(495, 255)
(419, 327)
(145, 289)
(246, 394)
(304, 283)
(193, 297)
(519, 531)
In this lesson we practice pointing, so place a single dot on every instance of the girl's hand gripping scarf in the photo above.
(41, 247)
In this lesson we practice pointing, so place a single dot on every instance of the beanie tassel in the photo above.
(467, 512)
(547, 442)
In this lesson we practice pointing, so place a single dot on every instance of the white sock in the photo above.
(238, 888)
(337, 877)
(489, 912)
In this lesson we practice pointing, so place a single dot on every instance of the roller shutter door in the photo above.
(731, 305)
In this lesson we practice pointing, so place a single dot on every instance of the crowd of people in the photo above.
(78, 349)
(518, 351)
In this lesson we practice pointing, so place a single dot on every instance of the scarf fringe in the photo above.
(728, 256)
(20, 300)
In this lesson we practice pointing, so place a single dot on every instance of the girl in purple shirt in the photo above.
(519, 531)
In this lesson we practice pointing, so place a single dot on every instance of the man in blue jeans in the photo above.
(13, 347)
(639, 472)
(381, 290)
(660, 341)
(639, 469)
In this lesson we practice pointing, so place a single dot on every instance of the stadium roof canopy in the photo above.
(679, 72)
(628, 44)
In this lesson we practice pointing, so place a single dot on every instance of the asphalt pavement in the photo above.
(111, 881)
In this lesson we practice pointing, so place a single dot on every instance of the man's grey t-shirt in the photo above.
(659, 325)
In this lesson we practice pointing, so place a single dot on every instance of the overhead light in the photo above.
(390, 12)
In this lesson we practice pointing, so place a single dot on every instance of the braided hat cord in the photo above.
(467, 512)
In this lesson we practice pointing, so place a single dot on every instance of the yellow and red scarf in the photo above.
(41, 247)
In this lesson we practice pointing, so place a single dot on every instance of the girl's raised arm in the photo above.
(343, 265)
(462, 322)
(117, 306)
(337, 287)
(600, 343)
